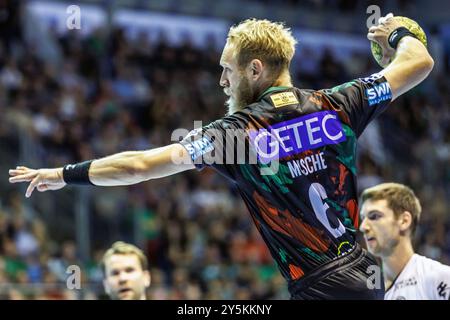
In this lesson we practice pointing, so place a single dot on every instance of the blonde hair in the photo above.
(120, 247)
(400, 198)
(271, 42)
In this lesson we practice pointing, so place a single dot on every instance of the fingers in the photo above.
(384, 19)
(379, 32)
(31, 187)
(19, 170)
(373, 29)
(41, 179)
(375, 32)
(14, 173)
(20, 177)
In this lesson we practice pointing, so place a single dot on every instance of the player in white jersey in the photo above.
(390, 213)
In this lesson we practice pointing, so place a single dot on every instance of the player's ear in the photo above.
(147, 278)
(405, 221)
(256, 69)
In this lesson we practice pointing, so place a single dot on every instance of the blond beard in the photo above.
(243, 99)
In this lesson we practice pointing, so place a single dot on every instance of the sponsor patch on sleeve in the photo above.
(283, 99)
(199, 147)
(379, 93)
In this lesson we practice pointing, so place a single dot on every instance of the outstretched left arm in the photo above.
(120, 169)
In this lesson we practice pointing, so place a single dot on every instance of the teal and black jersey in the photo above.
(292, 156)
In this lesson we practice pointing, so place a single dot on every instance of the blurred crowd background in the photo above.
(105, 92)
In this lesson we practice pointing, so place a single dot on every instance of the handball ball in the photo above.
(408, 23)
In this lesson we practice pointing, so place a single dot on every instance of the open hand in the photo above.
(41, 179)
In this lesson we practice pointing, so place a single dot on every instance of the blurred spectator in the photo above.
(126, 274)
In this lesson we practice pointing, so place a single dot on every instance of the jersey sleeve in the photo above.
(204, 144)
(219, 145)
(440, 282)
(362, 100)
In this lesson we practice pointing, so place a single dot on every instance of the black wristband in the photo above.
(397, 35)
(77, 173)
